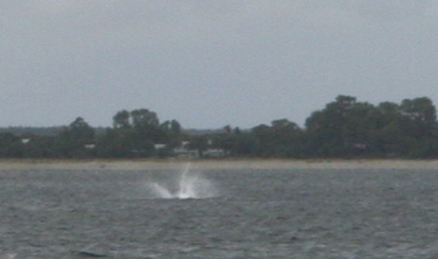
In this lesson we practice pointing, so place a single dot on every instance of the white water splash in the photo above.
(189, 186)
(161, 191)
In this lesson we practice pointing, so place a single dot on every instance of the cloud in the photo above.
(393, 9)
(289, 57)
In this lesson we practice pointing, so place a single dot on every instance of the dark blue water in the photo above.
(232, 214)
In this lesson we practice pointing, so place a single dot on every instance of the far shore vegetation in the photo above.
(344, 129)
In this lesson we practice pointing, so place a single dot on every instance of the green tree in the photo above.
(122, 119)
(263, 145)
(326, 128)
(146, 126)
(288, 138)
(10, 146)
(282, 139)
(345, 128)
(134, 134)
(39, 146)
(199, 143)
(72, 142)
(144, 119)
(423, 126)
(408, 130)
(170, 134)
(117, 143)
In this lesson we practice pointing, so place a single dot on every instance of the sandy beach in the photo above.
(122, 165)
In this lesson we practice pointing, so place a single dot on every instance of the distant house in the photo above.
(160, 150)
(25, 140)
(159, 146)
(360, 146)
(184, 151)
(214, 153)
(90, 146)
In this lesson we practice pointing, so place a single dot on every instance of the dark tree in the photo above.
(122, 119)
(74, 140)
(144, 119)
(327, 128)
(10, 145)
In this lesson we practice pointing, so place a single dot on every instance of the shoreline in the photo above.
(255, 164)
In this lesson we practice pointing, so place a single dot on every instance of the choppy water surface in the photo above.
(219, 214)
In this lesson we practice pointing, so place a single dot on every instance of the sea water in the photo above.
(247, 214)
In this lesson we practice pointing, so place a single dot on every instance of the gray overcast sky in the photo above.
(210, 63)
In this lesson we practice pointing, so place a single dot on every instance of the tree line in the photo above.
(345, 128)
